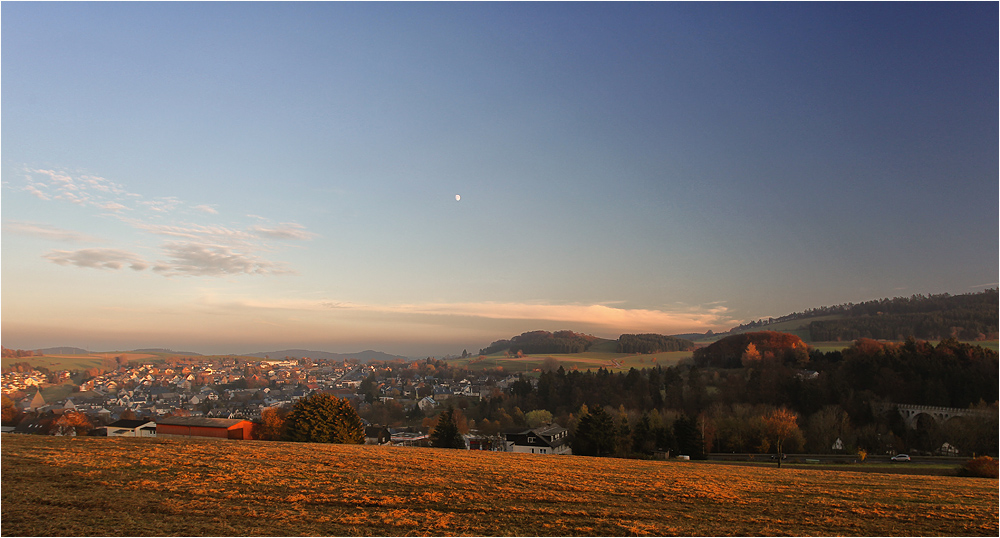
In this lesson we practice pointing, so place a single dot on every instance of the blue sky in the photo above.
(237, 177)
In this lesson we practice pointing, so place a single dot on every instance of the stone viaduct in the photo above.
(911, 413)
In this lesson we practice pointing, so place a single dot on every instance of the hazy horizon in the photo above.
(423, 178)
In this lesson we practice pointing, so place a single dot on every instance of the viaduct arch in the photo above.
(911, 413)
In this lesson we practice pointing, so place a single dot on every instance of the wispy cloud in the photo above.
(161, 205)
(285, 230)
(198, 248)
(98, 258)
(195, 232)
(598, 316)
(33, 189)
(639, 319)
(213, 260)
(111, 206)
(44, 231)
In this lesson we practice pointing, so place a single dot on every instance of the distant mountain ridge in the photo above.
(160, 350)
(64, 351)
(363, 356)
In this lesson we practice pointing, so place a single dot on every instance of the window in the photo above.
(531, 439)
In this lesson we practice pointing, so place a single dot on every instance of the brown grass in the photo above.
(113, 487)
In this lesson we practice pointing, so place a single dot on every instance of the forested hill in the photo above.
(361, 356)
(559, 342)
(534, 342)
(972, 316)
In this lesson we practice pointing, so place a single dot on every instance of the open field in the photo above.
(142, 487)
(105, 360)
(620, 362)
(82, 362)
(588, 360)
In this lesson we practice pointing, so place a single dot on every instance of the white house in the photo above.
(132, 428)
(548, 439)
(426, 404)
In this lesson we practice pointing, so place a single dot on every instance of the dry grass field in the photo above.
(137, 487)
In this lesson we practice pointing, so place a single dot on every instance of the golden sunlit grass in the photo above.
(588, 360)
(109, 487)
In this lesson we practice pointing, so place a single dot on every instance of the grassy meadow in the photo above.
(589, 360)
(102, 360)
(146, 487)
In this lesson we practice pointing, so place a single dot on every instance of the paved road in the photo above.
(838, 458)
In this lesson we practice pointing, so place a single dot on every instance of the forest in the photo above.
(971, 316)
(562, 342)
(651, 343)
(541, 342)
(716, 404)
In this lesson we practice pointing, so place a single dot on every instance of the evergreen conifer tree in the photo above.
(446, 434)
(596, 434)
(322, 418)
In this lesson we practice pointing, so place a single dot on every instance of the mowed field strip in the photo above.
(145, 487)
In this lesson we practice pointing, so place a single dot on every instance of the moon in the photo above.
(458, 197)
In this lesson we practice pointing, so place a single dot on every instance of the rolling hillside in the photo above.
(968, 317)
(180, 487)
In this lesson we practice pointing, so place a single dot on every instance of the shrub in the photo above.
(981, 467)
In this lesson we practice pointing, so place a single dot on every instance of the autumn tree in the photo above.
(538, 417)
(272, 424)
(73, 423)
(322, 418)
(10, 411)
(780, 425)
(751, 357)
(179, 412)
(446, 434)
(826, 426)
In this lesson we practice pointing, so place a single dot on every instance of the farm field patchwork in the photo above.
(147, 487)
(588, 360)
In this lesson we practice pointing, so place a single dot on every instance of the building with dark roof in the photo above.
(132, 428)
(548, 439)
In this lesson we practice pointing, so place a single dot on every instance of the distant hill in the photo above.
(64, 351)
(566, 342)
(971, 316)
(740, 349)
(535, 342)
(694, 337)
(172, 352)
(362, 356)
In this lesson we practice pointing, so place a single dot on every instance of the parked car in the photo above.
(900, 457)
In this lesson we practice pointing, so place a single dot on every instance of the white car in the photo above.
(900, 457)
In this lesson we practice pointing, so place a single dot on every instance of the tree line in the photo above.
(651, 343)
(541, 342)
(830, 394)
(971, 316)
(562, 342)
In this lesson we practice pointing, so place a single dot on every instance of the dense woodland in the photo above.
(19, 353)
(561, 342)
(651, 343)
(722, 404)
(541, 342)
(972, 316)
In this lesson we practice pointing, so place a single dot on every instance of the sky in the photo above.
(241, 177)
